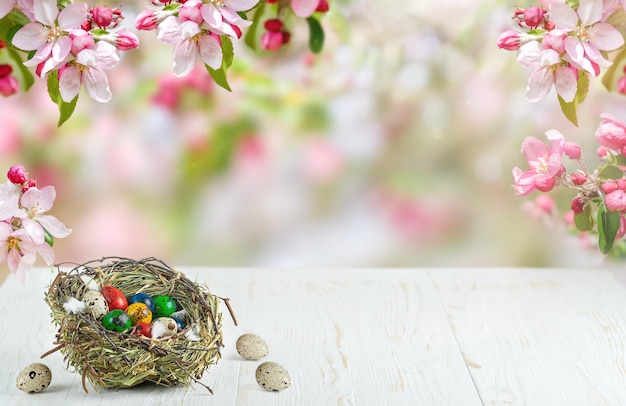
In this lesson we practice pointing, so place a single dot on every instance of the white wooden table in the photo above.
(375, 337)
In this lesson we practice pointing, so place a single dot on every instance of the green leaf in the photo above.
(611, 172)
(584, 220)
(24, 76)
(250, 38)
(48, 238)
(219, 75)
(569, 108)
(608, 224)
(608, 79)
(65, 109)
(316, 35)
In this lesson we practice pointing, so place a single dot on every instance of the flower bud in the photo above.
(191, 12)
(273, 25)
(555, 40)
(578, 178)
(578, 205)
(5, 70)
(602, 151)
(621, 184)
(611, 133)
(126, 40)
(615, 201)
(286, 37)
(102, 16)
(545, 203)
(609, 186)
(322, 6)
(146, 20)
(572, 150)
(9, 86)
(17, 174)
(81, 39)
(621, 85)
(533, 16)
(509, 40)
(29, 183)
(271, 41)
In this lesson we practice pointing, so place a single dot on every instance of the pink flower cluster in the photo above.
(194, 28)
(557, 42)
(25, 229)
(604, 186)
(275, 35)
(76, 41)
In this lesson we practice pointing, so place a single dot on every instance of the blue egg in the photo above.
(142, 298)
(179, 318)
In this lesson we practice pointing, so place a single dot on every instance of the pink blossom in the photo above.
(9, 85)
(88, 69)
(45, 35)
(35, 202)
(578, 205)
(588, 35)
(9, 201)
(123, 40)
(81, 39)
(20, 251)
(223, 15)
(190, 42)
(191, 11)
(616, 201)
(611, 132)
(609, 186)
(544, 164)
(147, 20)
(102, 16)
(548, 70)
(533, 16)
(555, 39)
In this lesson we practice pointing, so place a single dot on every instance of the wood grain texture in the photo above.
(539, 336)
(375, 337)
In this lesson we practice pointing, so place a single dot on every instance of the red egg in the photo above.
(145, 329)
(114, 298)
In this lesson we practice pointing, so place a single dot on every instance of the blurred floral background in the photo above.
(393, 147)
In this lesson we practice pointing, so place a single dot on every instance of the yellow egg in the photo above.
(139, 313)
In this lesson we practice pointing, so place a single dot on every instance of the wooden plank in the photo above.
(539, 336)
(366, 337)
(30, 333)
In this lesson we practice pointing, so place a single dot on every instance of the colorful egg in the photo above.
(139, 313)
(95, 303)
(115, 298)
(142, 298)
(179, 317)
(164, 327)
(164, 306)
(117, 320)
(145, 329)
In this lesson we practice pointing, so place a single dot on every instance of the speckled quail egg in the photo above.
(95, 303)
(34, 378)
(251, 346)
(163, 327)
(273, 376)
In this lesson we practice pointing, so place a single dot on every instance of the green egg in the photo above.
(164, 306)
(117, 320)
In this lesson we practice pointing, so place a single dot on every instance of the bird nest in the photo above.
(113, 359)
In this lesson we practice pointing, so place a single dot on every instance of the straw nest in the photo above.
(121, 360)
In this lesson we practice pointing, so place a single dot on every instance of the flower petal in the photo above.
(185, 57)
(565, 83)
(6, 7)
(243, 5)
(107, 55)
(34, 230)
(212, 15)
(563, 16)
(97, 84)
(46, 12)
(304, 8)
(69, 83)
(9, 201)
(534, 149)
(589, 11)
(232, 17)
(31, 36)
(54, 226)
(210, 51)
(168, 32)
(73, 16)
(605, 37)
(539, 85)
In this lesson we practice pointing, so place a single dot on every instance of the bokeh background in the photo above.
(393, 147)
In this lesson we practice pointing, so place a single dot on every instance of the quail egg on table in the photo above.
(34, 378)
(273, 376)
(251, 346)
